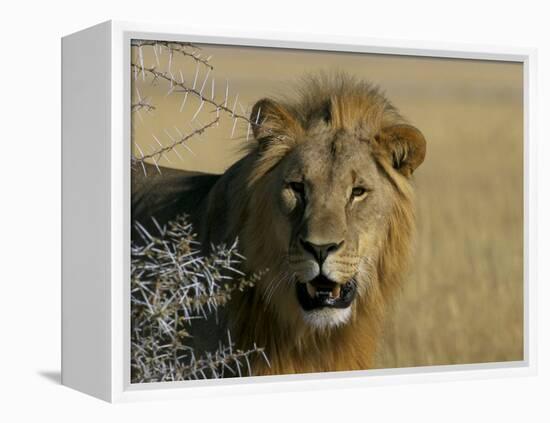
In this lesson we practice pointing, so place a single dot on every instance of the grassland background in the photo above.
(462, 301)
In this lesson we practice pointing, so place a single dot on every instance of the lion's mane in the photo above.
(240, 206)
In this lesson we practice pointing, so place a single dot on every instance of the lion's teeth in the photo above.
(311, 290)
(336, 291)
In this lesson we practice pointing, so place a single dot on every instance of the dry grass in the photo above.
(463, 302)
(463, 299)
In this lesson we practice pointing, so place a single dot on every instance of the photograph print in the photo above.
(305, 211)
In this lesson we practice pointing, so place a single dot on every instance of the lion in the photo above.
(323, 200)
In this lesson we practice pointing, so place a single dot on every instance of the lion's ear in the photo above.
(270, 119)
(405, 145)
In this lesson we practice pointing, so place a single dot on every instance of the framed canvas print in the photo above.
(268, 212)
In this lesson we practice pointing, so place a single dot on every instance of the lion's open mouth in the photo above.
(322, 292)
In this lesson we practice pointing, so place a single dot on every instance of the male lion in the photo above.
(323, 199)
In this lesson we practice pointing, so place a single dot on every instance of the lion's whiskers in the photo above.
(269, 285)
(273, 285)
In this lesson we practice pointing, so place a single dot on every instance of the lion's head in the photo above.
(329, 209)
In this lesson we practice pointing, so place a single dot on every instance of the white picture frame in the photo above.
(96, 213)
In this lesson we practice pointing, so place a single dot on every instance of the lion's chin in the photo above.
(327, 318)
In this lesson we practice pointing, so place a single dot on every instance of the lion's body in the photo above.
(245, 203)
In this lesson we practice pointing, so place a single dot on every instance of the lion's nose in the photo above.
(320, 251)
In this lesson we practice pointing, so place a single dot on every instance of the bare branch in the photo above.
(182, 88)
(142, 105)
(158, 154)
(179, 48)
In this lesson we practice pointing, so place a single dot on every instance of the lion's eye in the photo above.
(358, 192)
(297, 187)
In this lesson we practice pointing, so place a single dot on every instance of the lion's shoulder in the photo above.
(169, 193)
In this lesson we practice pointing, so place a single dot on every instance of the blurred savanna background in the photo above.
(462, 301)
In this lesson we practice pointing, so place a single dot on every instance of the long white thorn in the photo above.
(139, 149)
(142, 156)
(156, 165)
(196, 76)
(156, 54)
(175, 150)
(169, 135)
(153, 153)
(226, 92)
(170, 91)
(157, 140)
(168, 158)
(140, 52)
(234, 126)
(198, 111)
(184, 101)
(235, 104)
(188, 149)
(205, 80)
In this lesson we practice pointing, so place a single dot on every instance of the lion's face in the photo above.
(331, 211)
(328, 195)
